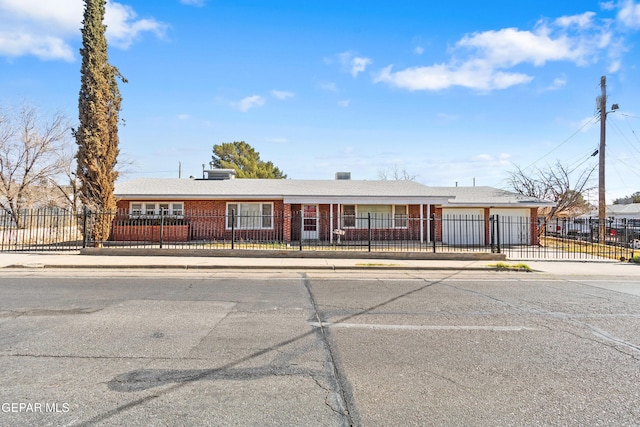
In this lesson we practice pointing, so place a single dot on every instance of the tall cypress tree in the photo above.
(99, 110)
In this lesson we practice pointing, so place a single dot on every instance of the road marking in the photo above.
(422, 327)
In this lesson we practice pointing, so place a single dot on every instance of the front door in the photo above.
(309, 222)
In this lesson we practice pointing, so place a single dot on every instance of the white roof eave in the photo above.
(499, 205)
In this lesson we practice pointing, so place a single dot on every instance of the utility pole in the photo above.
(602, 202)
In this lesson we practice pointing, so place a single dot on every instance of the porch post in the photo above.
(331, 223)
(428, 216)
(421, 223)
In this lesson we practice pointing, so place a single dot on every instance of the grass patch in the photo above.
(584, 247)
(503, 266)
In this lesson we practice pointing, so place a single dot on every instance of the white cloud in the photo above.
(358, 65)
(419, 50)
(352, 63)
(485, 61)
(608, 5)
(584, 20)
(344, 103)
(183, 117)
(629, 14)
(50, 29)
(123, 28)
(437, 77)
(46, 48)
(509, 47)
(558, 83)
(248, 103)
(280, 94)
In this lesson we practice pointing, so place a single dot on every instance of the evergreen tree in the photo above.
(634, 198)
(99, 109)
(242, 157)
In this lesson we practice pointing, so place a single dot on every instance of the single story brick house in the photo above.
(290, 210)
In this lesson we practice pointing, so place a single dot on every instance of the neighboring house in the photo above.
(622, 220)
(290, 210)
(615, 212)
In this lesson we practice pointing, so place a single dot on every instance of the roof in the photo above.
(483, 196)
(319, 191)
(631, 210)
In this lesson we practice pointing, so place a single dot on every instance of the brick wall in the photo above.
(149, 233)
(206, 220)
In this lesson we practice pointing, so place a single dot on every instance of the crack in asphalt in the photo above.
(606, 338)
(48, 312)
(342, 388)
(144, 379)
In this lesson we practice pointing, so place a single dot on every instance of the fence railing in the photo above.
(41, 230)
(517, 237)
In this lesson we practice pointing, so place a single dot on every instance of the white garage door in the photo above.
(463, 227)
(514, 226)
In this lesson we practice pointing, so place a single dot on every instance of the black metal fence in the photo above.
(517, 237)
(41, 230)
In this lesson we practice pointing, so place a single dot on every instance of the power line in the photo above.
(615, 125)
(632, 131)
(588, 122)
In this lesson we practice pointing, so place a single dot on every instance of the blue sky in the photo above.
(451, 92)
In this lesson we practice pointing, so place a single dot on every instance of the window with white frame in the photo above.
(400, 216)
(250, 216)
(156, 209)
(382, 216)
(135, 209)
(348, 216)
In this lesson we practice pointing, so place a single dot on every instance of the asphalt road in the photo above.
(318, 348)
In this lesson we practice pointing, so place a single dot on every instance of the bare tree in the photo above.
(555, 183)
(30, 157)
(395, 174)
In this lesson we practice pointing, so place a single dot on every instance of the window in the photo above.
(349, 216)
(250, 216)
(382, 216)
(154, 210)
(400, 217)
(149, 209)
(177, 209)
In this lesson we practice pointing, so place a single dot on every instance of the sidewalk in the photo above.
(75, 260)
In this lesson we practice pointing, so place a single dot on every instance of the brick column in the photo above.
(438, 228)
(487, 226)
(286, 228)
(534, 227)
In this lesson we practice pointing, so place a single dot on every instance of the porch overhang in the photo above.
(363, 200)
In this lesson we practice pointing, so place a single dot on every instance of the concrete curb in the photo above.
(246, 267)
(257, 253)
